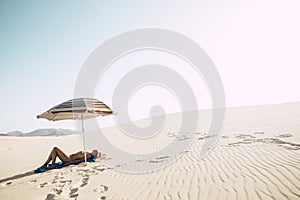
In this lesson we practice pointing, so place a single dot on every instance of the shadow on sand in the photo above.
(17, 176)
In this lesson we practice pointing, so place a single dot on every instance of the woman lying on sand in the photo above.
(76, 157)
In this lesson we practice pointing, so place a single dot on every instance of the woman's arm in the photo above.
(80, 156)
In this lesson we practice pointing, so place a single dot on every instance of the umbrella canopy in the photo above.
(77, 109)
(80, 108)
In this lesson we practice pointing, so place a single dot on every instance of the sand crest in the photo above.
(254, 159)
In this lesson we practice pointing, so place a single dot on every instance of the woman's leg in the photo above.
(56, 152)
(48, 160)
(61, 155)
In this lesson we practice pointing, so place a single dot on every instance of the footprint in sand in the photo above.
(58, 191)
(57, 179)
(42, 185)
(182, 137)
(67, 189)
(33, 181)
(72, 193)
(141, 160)
(159, 159)
(259, 133)
(61, 186)
(204, 137)
(121, 166)
(184, 152)
(101, 168)
(171, 134)
(234, 144)
(101, 189)
(244, 136)
(163, 157)
(85, 180)
(286, 145)
(8, 183)
(50, 197)
(285, 135)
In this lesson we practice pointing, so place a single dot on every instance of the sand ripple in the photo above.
(242, 166)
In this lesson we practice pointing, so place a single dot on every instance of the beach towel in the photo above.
(60, 165)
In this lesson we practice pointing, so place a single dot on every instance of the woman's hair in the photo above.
(96, 154)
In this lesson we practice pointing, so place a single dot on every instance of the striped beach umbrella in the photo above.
(77, 109)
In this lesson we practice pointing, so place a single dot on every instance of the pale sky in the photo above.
(254, 45)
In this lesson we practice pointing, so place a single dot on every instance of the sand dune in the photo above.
(257, 157)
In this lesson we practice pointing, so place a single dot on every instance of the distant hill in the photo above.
(42, 132)
(15, 133)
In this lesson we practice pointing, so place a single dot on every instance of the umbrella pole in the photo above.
(84, 149)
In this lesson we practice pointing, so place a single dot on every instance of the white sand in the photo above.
(257, 157)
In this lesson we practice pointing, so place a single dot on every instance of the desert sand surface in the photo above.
(257, 156)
